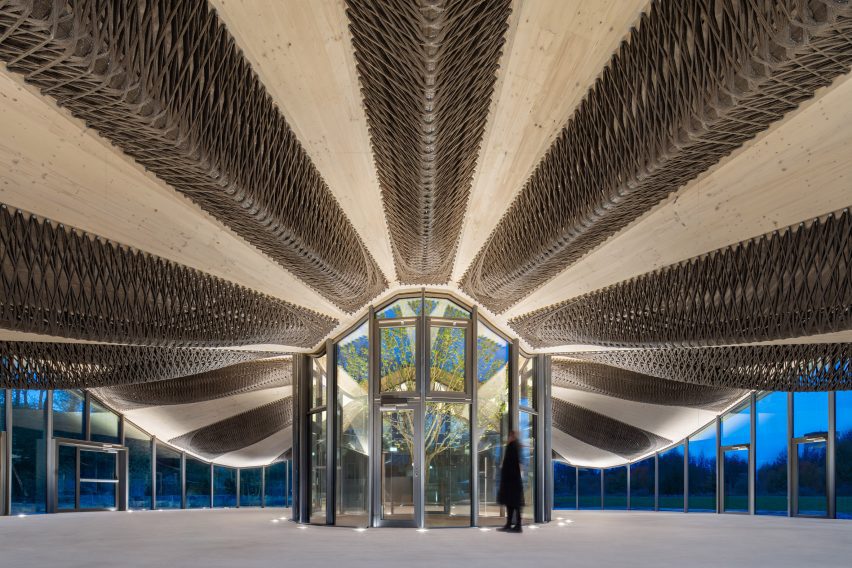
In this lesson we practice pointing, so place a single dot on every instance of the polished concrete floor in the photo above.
(249, 537)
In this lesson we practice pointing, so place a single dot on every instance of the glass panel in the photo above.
(615, 488)
(810, 414)
(526, 381)
(29, 451)
(811, 485)
(443, 308)
(276, 485)
(319, 455)
(68, 414)
(589, 486)
(492, 396)
(168, 478)
(2, 410)
(447, 358)
(318, 381)
(447, 465)
(735, 476)
(224, 486)
(397, 361)
(526, 433)
(397, 477)
(564, 486)
(642, 484)
(353, 408)
(251, 487)
(843, 453)
(197, 484)
(139, 457)
(736, 425)
(404, 308)
(95, 495)
(702, 470)
(66, 478)
(671, 479)
(104, 424)
(98, 465)
(770, 454)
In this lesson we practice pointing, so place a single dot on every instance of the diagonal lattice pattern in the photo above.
(240, 431)
(57, 281)
(629, 385)
(165, 82)
(694, 81)
(36, 365)
(785, 284)
(604, 432)
(211, 385)
(427, 72)
(805, 367)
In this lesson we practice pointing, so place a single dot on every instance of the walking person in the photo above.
(511, 492)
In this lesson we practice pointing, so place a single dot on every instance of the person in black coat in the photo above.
(511, 492)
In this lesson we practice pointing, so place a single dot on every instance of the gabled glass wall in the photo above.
(749, 461)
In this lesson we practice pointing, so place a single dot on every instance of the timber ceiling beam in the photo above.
(427, 71)
(693, 82)
(165, 82)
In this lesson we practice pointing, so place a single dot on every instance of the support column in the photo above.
(831, 461)
(331, 431)
(473, 358)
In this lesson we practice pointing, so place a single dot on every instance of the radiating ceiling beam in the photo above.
(693, 82)
(32, 365)
(603, 432)
(55, 280)
(789, 283)
(238, 432)
(803, 367)
(624, 384)
(427, 71)
(211, 385)
(165, 82)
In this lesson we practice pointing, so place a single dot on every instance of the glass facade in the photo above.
(615, 488)
(66, 480)
(29, 451)
(702, 470)
(251, 487)
(277, 492)
(104, 424)
(447, 466)
(843, 454)
(671, 482)
(564, 486)
(139, 467)
(425, 393)
(98, 479)
(353, 428)
(224, 486)
(736, 450)
(68, 408)
(810, 439)
(770, 454)
(492, 398)
(198, 480)
(643, 484)
(588, 488)
(168, 486)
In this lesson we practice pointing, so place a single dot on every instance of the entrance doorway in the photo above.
(810, 470)
(89, 477)
(399, 475)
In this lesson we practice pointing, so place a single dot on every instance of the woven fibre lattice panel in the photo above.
(629, 385)
(806, 367)
(58, 281)
(35, 365)
(693, 82)
(240, 431)
(788, 283)
(211, 385)
(165, 82)
(604, 432)
(427, 71)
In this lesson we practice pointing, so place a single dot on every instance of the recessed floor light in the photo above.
(533, 526)
(360, 529)
(275, 521)
(301, 527)
(561, 524)
(484, 529)
(422, 530)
